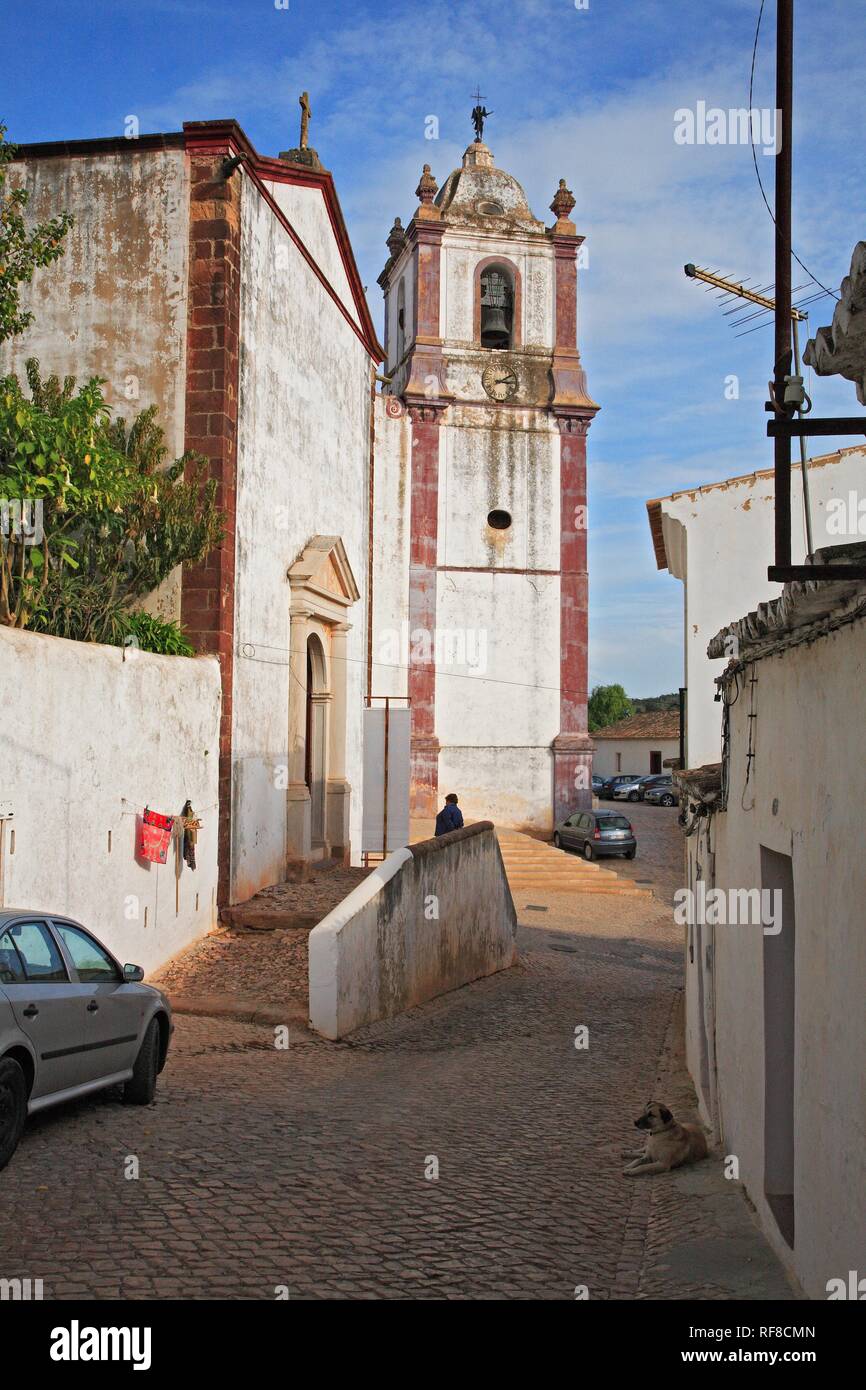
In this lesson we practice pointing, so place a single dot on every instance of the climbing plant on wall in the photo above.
(94, 517)
(22, 248)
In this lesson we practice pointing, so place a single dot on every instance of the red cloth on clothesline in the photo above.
(155, 837)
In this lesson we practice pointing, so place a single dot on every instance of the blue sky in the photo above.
(586, 94)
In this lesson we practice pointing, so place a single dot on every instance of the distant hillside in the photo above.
(655, 702)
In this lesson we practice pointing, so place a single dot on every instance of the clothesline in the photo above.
(139, 810)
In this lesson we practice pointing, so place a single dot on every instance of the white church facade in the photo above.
(426, 542)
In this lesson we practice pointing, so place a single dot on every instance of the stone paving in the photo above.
(310, 1168)
(659, 862)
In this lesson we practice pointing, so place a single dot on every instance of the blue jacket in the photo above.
(449, 818)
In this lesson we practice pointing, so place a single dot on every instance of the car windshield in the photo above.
(613, 823)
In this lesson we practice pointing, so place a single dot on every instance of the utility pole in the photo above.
(784, 169)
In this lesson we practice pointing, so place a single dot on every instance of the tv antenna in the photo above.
(739, 290)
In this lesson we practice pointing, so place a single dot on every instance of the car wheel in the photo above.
(13, 1107)
(634, 796)
(141, 1088)
(630, 853)
(667, 800)
(587, 850)
(557, 843)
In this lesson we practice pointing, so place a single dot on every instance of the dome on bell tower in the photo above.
(478, 192)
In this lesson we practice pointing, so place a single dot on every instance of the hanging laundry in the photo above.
(191, 827)
(155, 836)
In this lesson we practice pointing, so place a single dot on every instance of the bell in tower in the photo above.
(497, 304)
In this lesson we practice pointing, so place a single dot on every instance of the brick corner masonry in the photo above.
(429, 919)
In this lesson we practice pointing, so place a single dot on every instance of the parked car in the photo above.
(597, 784)
(664, 793)
(610, 783)
(628, 791)
(596, 833)
(646, 783)
(72, 1021)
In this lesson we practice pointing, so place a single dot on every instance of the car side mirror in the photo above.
(132, 974)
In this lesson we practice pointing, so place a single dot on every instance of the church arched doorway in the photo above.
(316, 771)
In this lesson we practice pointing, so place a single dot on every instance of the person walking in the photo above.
(450, 817)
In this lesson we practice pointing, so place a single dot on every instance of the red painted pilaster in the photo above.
(426, 396)
(573, 748)
(213, 326)
(426, 378)
(423, 545)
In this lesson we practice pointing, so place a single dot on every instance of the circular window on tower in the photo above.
(499, 520)
(490, 208)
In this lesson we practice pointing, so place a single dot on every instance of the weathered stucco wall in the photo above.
(306, 210)
(87, 740)
(498, 593)
(803, 799)
(114, 304)
(428, 920)
(392, 494)
(303, 463)
(719, 541)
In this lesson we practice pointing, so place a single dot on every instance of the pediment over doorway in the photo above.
(322, 578)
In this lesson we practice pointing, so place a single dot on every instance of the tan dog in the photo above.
(669, 1144)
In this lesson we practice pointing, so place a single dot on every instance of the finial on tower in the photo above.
(425, 193)
(396, 238)
(562, 205)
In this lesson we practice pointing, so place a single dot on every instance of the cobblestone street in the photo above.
(305, 1168)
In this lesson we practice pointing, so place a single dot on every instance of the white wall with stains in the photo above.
(308, 213)
(114, 304)
(392, 503)
(88, 740)
(498, 658)
(303, 464)
(803, 800)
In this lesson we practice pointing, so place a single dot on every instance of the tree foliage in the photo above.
(607, 704)
(109, 518)
(22, 249)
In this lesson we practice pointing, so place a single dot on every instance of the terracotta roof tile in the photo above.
(660, 724)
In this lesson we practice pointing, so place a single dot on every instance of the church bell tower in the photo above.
(487, 384)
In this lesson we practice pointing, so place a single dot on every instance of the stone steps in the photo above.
(532, 864)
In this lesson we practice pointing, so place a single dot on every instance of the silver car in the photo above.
(72, 1021)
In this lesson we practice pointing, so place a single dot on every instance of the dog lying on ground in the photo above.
(669, 1144)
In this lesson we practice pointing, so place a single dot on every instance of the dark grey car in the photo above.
(597, 833)
(72, 1021)
(663, 793)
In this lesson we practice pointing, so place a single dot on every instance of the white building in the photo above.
(773, 796)
(775, 1017)
(642, 744)
(718, 539)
